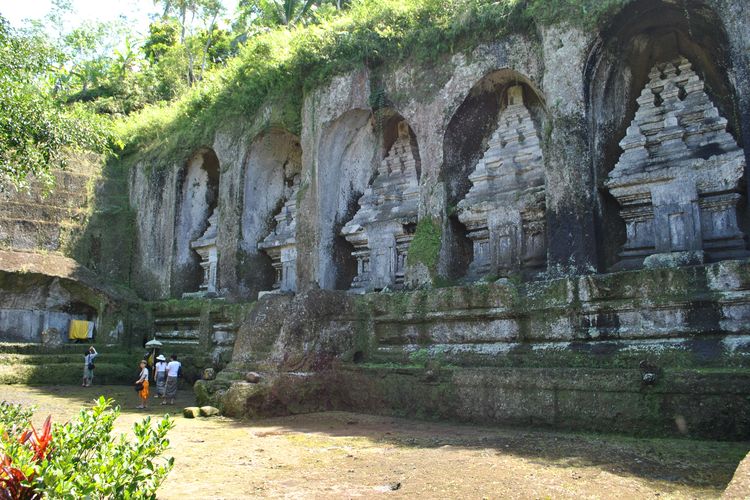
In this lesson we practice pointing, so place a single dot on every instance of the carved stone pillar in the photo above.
(281, 243)
(678, 178)
(504, 209)
(382, 228)
(205, 246)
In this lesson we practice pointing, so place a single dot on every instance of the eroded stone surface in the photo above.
(504, 209)
(678, 178)
(383, 226)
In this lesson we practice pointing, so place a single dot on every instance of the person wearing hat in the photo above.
(160, 375)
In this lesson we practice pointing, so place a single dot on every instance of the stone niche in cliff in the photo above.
(383, 227)
(504, 208)
(347, 159)
(678, 180)
(268, 244)
(196, 258)
(281, 243)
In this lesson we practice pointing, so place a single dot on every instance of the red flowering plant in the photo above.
(82, 458)
(23, 453)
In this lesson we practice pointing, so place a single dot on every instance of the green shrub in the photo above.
(14, 418)
(83, 458)
(419, 357)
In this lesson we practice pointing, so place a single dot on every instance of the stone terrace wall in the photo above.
(643, 352)
(36, 219)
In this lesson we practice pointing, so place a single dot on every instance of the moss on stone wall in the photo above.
(425, 247)
(105, 241)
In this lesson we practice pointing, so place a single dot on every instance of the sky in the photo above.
(136, 11)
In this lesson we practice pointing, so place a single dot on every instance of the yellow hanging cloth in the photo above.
(79, 329)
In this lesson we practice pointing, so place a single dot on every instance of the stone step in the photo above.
(72, 348)
(66, 374)
(171, 335)
(12, 210)
(126, 359)
(165, 320)
(55, 198)
(30, 235)
(591, 354)
(224, 338)
(178, 341)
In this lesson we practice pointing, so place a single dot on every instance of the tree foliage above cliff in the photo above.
(35, 129)
(194, 71)
(278, 64)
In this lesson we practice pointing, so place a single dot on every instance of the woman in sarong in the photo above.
(173, 372)
(160, 375)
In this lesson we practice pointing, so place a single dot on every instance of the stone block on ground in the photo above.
(51, 337)
(253, 377)
(739, 486)
(209, 411)
(191, 412)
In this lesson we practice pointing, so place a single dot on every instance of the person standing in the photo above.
(88, 366)
(141, 385)
(160, 375)
(174, 368)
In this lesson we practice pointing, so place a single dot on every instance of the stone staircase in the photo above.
(202, 330)
(35, 364)
(34, 219)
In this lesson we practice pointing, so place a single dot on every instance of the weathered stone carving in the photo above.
(205, 246)
(281, 244)
(504, 209)
(383, 227)
(677, 180)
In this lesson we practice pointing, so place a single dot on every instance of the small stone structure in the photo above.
(51, 337)
(383, 227)
(281, 244)
(678, 179)
(504, 209)
(205, 246)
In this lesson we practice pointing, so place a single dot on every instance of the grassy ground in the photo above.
(345, 455)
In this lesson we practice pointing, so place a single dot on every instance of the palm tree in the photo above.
(290, 12)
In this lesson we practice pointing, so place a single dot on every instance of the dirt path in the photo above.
(344, 455)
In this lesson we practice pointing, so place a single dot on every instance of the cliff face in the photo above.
(548, 160)
(536, 167)
(580, 93)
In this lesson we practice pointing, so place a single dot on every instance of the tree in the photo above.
(203, 18)
(162, 35)
(35, 129)
(269, 13)
(290, 12)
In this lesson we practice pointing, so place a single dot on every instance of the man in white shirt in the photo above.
(173, 373)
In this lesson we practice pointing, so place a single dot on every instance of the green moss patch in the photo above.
(425, 247)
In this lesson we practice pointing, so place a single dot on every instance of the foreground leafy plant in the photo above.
(84, 459)
(14, 418)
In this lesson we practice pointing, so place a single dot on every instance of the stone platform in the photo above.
(648, 352)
